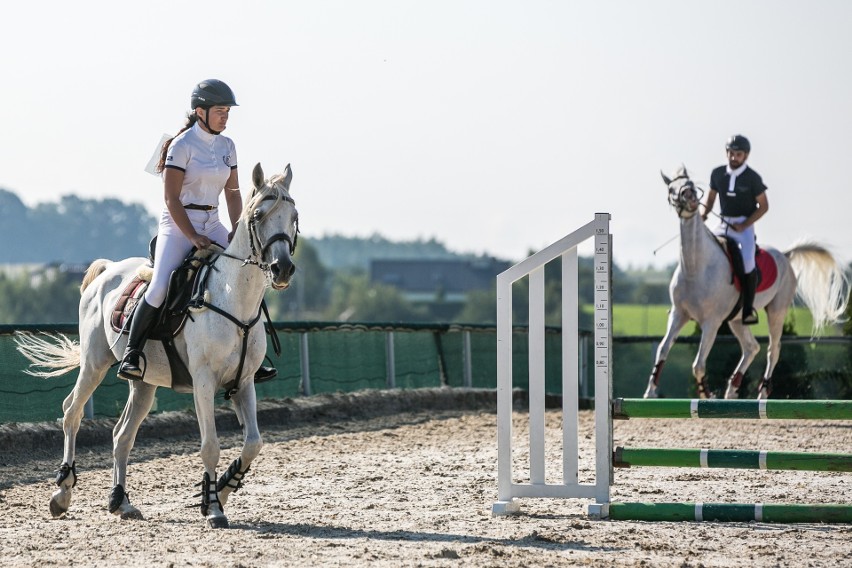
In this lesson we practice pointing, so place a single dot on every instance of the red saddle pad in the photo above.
(768, 271)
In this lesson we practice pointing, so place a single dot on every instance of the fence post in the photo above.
(467, 359)
(391, 361)
(305, 363)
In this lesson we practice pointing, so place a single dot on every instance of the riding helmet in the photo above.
(212, 92)
(738, 142)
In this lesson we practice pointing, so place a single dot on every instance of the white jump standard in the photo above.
(566, 248)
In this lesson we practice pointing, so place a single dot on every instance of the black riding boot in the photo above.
(749, 287)
(143, 320)
(264, 374)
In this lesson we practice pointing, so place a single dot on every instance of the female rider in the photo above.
(196, 165)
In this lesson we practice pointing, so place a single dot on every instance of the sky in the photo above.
(496, 127)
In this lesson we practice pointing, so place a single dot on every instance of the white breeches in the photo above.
(173, 246)
(745, 239)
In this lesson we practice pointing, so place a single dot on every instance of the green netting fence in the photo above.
(330, 357)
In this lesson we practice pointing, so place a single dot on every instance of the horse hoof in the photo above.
(217, 522)
(132, 515)
(56, 509)
(59, 502)
(764, 390)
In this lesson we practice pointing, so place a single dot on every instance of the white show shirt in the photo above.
(206, 160)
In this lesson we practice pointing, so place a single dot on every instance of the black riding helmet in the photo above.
(212, 92)
(738, 142)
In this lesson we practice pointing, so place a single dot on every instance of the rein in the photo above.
(257, 260)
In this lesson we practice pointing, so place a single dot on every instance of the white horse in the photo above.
(702, 290)
(219, 344)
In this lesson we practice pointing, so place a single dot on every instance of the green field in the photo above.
(640, 319)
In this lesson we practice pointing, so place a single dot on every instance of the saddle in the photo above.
(767, 270)
(186, 290)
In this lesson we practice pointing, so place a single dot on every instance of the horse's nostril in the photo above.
(282, 269)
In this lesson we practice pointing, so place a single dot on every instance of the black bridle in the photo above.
(254, 237)
(678, 197)
(255, 242)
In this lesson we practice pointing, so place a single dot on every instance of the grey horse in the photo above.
(702, 290)
(220, 343)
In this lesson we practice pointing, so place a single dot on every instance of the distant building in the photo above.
(428, 280)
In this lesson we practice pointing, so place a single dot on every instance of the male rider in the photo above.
(742, 197)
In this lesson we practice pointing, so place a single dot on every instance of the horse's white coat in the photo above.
(701, 290)
(210, 344)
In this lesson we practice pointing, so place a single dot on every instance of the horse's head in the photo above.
(684, 196)
(273, 224)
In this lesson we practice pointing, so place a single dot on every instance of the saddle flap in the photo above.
(123, 309)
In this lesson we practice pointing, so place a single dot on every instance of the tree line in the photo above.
(332, 281)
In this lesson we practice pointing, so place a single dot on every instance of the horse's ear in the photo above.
(288, 176)
(683, 172)
(257, 176)
(665, 179)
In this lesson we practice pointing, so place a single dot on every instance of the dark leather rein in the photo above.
(256, 260)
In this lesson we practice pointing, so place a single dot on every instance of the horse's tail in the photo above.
(823, 285)
(56, 354)
(93, 272)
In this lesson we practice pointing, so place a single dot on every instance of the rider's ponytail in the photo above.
(191, 119)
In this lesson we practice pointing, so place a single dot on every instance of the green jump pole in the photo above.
(731, 512)
(623, 408)
(736, 459)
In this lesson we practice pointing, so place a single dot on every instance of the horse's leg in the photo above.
(677, 319)
(73, 408)
(245, 406)
(709, 330)
(776, 312)
(211, 508)
(138, 406)
(750, 348)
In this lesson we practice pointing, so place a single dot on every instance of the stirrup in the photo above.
(751, 318)
(130, 371)
(264, 374)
